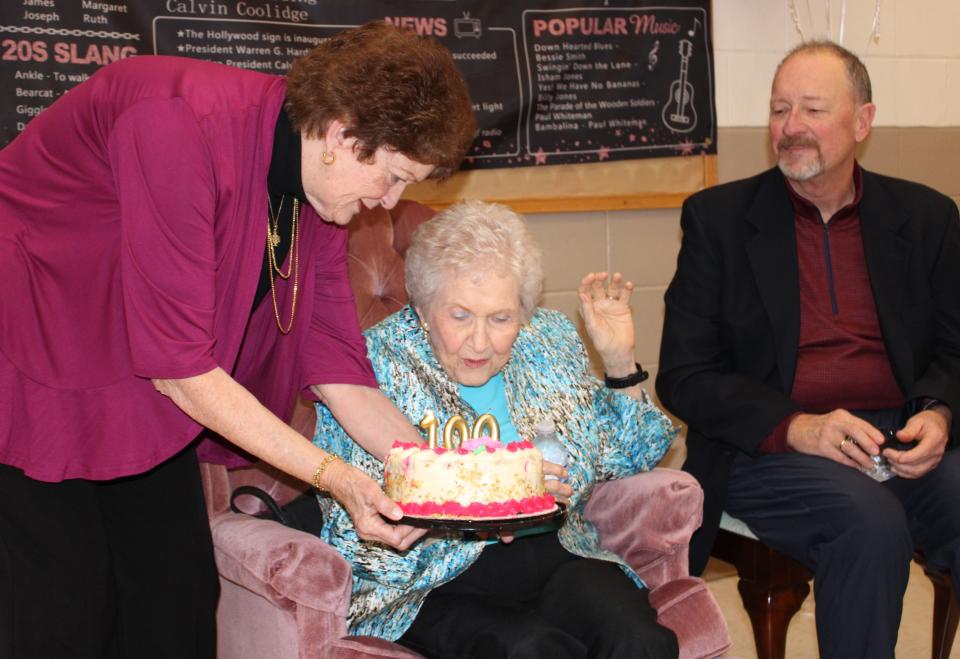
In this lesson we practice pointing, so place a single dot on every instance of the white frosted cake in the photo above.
(481, 479)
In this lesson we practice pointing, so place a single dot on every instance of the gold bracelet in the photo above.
(320, 471)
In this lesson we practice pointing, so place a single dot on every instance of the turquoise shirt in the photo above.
(491, 398)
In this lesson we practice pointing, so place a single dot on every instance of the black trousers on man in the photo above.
(101, 570)
(532, 599)
(856, 535)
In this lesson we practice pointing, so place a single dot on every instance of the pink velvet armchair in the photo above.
(285, 594)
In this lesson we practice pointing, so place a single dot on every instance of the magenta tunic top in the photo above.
(132, 231)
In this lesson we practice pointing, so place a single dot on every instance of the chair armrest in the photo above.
(283, 565)
(686, 606)
(648, 519)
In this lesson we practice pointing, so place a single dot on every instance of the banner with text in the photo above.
(552, 81)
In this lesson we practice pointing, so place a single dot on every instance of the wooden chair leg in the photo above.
(946, 613)
(771, 599)
(772, 587)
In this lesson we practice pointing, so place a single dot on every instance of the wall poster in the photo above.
(606, 84)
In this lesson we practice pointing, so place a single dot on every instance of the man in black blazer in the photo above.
(814, 306)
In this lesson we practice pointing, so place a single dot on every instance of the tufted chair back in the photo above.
(376, 252)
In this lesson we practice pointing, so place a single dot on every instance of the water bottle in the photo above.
(546, 440)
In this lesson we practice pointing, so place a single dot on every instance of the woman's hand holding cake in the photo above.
(557, 486)
(365, 503)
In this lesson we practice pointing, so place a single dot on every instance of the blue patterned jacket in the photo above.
(607, 433)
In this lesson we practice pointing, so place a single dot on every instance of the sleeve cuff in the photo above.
(776, 441)
(927, 403)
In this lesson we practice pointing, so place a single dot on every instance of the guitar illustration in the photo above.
(679, 114)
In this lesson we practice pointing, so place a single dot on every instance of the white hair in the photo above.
(468, 234)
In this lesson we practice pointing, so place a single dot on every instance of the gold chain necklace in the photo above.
(294, 268)
(273, 233)
(273, 229)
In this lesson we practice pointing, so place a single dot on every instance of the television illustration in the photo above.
(466, 26)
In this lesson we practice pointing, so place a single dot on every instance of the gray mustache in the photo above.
(789, 142)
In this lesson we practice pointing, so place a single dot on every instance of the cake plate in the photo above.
(489, 524)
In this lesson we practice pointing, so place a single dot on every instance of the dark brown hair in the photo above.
(392, 89)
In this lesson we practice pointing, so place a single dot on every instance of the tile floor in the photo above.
(915, 628)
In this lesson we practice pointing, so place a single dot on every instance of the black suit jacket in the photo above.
(732, 324)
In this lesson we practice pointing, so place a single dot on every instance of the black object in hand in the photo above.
(891, 441)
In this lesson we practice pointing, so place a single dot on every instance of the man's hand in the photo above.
(365, 503)
(931, 428)
(838, 435)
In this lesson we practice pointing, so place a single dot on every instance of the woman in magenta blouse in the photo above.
(173, 267)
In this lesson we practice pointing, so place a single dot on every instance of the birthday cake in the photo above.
(479, 479)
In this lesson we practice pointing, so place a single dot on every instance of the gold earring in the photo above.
(328, 157)
(426, 328)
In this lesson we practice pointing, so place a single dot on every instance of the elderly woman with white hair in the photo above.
(472, 341)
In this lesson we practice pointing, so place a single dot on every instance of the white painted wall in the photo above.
(914, 66)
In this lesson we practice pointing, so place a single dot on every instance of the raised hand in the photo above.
(605, 308)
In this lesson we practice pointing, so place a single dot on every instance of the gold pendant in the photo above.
(274, 238)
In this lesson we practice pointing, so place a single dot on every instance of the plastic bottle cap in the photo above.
(545, 427)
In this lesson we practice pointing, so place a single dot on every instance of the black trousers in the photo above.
(533, 599)
(96, 570)
(856, 535)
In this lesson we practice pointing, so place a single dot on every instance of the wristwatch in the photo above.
(622, 383)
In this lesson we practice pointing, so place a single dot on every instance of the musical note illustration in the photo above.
(652, 58)
(696, 24)
(679, 114)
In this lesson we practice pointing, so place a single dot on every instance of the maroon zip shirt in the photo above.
(841, 358)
